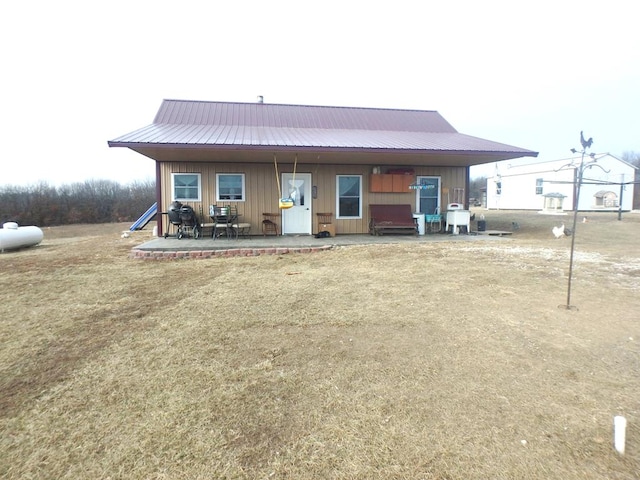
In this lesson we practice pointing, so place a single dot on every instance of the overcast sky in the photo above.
(530, 74)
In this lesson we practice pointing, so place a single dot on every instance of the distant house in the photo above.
(336, 160)
(550, 187)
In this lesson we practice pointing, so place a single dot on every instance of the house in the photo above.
(550, 187)
(336, 160)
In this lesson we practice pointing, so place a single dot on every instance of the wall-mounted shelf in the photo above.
(389, 183)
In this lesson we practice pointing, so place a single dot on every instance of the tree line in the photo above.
(92, 201)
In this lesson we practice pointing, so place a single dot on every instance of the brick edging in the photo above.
(232, 252)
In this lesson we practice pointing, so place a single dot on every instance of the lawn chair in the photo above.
(434, 221)
(223, 220)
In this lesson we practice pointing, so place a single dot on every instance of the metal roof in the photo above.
(299, 116)
(226, 126)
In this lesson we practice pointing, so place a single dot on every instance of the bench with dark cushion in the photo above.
(391, 219)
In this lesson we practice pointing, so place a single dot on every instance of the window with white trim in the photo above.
(539, 183)
(186, 187)
(230, 187)
(349, 197)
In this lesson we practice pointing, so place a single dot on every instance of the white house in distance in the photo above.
(550, 186)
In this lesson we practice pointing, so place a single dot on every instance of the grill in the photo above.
(185, 219)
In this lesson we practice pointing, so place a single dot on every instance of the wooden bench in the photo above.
(391, 219)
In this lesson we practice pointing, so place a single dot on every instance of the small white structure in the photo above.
(550, 186)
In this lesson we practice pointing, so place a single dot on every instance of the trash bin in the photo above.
(419, 219)
(482, 225)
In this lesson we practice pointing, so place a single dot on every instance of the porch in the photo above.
(172, 248)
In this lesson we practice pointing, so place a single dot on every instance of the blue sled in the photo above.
(145, 218)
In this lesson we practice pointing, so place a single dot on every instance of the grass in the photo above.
(422, 361)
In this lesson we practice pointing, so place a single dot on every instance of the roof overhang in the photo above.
(307, 155)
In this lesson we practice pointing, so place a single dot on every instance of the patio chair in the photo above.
(270, 223)
(206, 227)
(240, 229)
(434, 221)
(223, 218)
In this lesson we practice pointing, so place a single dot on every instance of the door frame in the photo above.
(288, 225)
(438, 192)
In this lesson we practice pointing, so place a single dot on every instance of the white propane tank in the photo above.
(12, 236)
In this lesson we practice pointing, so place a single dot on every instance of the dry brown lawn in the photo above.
(438, 360)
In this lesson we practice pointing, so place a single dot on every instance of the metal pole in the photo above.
(620, 201)
(573, 231)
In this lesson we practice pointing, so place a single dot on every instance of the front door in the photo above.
(428, 195)
(297, 219)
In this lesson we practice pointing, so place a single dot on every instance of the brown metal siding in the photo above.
(260, 186)
(262, 190)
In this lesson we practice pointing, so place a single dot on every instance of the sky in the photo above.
(529, 74)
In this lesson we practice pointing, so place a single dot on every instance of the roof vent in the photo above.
(260, 99)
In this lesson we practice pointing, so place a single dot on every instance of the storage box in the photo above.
(327, 227)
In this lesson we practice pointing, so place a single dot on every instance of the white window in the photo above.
(230, 187)
(539, 184)
(186, 187)
(349, 199)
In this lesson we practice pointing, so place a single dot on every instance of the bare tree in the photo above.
(476, 185)
(92, 201)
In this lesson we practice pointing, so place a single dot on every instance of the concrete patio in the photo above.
(171, 247)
